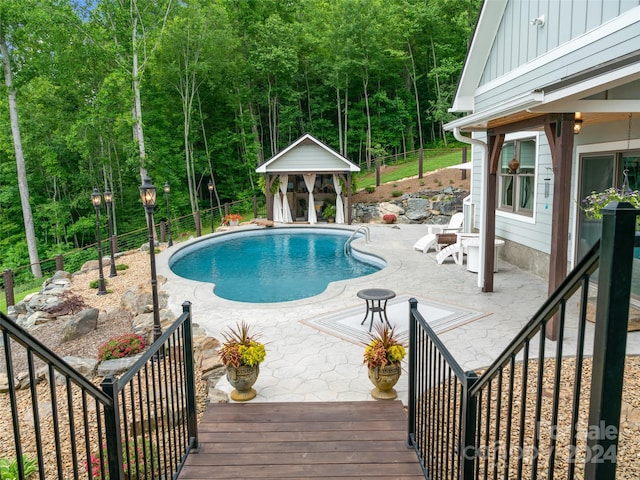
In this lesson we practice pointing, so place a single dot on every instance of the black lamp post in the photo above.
(167, 189)
(108, 198)
(210, 186)
(148, 196)
(96, 200)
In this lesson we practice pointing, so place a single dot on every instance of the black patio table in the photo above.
(374, 297)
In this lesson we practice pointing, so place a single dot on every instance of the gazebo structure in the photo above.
(305, 179)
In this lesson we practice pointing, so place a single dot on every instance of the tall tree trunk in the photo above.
(346, 114)
(339, 108)
(413, 76)
(23, 186)
(138, 136)
(206, 149)
(365, 83)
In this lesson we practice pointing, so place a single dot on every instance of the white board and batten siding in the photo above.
(577, 35)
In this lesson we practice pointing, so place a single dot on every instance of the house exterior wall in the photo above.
(518, 41)
(528, 240)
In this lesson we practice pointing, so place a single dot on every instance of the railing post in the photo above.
(255, 207)
(7, 277)
(192, 420)
(468, 438)
(420, 163)
(610, 339)
(411, 401)
(163, 231)
(59, 262)
(196, 218)
(112, 428)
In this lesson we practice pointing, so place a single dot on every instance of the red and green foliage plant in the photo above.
(120, 347)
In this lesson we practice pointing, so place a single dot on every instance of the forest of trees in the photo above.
(97, 92)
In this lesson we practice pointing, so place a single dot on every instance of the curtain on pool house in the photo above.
(339, 202)
(309, 181)
(286, 211)
(277, 207)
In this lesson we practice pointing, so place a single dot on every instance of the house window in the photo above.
(517, 176)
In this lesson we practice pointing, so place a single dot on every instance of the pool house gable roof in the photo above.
(307, 155)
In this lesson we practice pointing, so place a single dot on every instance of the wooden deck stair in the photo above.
(303, 440)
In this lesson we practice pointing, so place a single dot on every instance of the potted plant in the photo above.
(329, 213)
(242, 354)
(593, 204)
(232, 219)
(383, 355)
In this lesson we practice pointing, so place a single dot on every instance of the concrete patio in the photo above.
(310, 359)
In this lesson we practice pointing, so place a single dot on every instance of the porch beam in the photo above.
(521, 125)
(561, 131)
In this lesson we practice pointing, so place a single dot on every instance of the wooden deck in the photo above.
(303, 440)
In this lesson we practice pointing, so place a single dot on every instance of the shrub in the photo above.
(120, 267)
(122, 346)
(396, 193)
(70, 305)
(370, 189)
(142, 458)
(9, 468)
(95, 283)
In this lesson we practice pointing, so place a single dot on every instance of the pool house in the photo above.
(306, 178)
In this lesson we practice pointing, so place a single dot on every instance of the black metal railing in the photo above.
(141, 425)
(543, 408)
(20, 279)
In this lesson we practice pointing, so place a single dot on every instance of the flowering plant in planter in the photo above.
(231, 217)
(241, 348)
(593, 204)
(384, 348)
(122, 346)
(389, 218)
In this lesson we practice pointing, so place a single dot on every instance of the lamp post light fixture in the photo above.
(148, 196)
(167, 189)
(108, 198)
(96, 200)
(210, 186)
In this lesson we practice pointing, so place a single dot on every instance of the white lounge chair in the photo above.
(429, 240)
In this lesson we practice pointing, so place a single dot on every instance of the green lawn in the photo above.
(18, 296)
(409, 169)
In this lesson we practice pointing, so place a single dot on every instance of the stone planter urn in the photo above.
(242, 379)
(384, 379)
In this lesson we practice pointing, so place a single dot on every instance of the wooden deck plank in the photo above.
(303, 440)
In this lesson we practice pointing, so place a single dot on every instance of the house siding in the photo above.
(518, 41)
(533, 232)
(617, 44)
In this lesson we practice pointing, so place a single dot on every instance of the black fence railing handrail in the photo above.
(152, 351)
(51, 358)
(435, 339)
(572, 282)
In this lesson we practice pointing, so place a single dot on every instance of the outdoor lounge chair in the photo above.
(439, 235)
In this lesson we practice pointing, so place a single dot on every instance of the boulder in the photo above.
(116, 365)
(84, 322)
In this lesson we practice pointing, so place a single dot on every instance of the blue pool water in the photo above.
(275, 265)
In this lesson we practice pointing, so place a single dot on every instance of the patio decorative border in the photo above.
(346, 324)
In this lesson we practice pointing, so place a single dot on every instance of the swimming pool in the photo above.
(273, 265)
